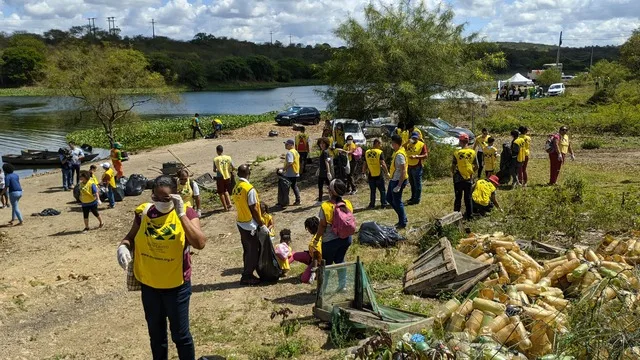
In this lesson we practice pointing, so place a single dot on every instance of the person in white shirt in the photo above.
(76, 159)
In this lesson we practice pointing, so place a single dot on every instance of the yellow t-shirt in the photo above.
(351, 147)
(110, 177)
(267, 219)
(522, 153)
(223, 166)
(490, 157)
(465, 158)
(302, 142)
(564, 144)
(481, 142)
(340, 140)
(482, 192)
(527, 144)
(315, 245)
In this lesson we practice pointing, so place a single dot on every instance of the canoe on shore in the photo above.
(39, 159)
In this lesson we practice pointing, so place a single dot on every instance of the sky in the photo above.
(583, 22)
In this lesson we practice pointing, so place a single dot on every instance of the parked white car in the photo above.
(556, 89)
(439, 136)
(351, 127)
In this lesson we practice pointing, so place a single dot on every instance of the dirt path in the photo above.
(62, 293)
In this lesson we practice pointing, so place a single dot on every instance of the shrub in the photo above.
(591, 144)
(438, 164)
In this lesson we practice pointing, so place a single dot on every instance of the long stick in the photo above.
(181, 162)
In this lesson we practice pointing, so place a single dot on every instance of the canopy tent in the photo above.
(458, 95)
(517, 80)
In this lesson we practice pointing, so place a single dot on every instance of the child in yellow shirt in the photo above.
(267, 219)
(490, 156)
(283, 251)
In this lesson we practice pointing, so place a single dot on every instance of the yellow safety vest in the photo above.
(86, 194)
(405, 136)
(351, 147)
(159, 250)
(481, 141)
(527, 144)
(490, 158)
(241, 199)
(523, 151)
(465, 159)
(112, 177)
(302, 143)
(217, 121)
(372, 157)
(94, 179)
(414, 149)
(328, 207)
(482, 192)
(186, 193)
(296, 161)
(223, 165)
(400, 151)
(340, 140)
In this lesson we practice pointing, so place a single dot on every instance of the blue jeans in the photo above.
(67, 178)
(111, 196)
(160, 304)
(75, 169)
(415, 181)
(395, 199)
(333, 252)
(14, 197)
(377, 183)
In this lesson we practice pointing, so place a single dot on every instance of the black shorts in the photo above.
(90, 209)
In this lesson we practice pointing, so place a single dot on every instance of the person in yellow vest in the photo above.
(109, 180)
(349, 148)
(417, 151)
(223, 167)
(484, 195)
(250, 224)
(291, 169)
(518, 157)
(490, 157)
(92, 174)
(160, 238)
(523, 177)
(189, 191)
(313, 257)
(195, 126)
(374, 169)
(402, 132)
(463, 166)
(338, 136)
(410, 130)
(479, 146)
(89, 198)
(217, 127)
(303, 148)
(397, 183)
(116, 159)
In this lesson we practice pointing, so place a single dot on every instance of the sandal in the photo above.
(85, 230)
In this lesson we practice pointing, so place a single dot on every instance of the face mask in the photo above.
(413, 141)
(163, 207)
(349, 142)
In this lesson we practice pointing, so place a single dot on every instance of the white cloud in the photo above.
(312, 21)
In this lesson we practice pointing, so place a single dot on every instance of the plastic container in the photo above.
(498, 323)
(487, 293)
(506, 334)
(489, 306)
(485, 258)
(532, 274)
(621, 248)
(524, 342)
(445, 311)
(563, 269)
(580, 271)
(531, 290)
(476, 251)
(571, 255)
(612, 246)
(531, 261)
(589, 255)
(558, 303)
(474, 323)
(465, 308)
(513, 266)
(456, 323)
(544, 282)
(550, 265)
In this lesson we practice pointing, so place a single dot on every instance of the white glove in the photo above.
(329, 177)
(397, 189)
(178, 204)
(124, 256)
(99, 202)
(312, 278)
(199, 213)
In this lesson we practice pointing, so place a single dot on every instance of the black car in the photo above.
(298, 114)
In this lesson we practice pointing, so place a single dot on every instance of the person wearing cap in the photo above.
(302, 147)
(372, 169)
(479, 146)
(398, 182)
(484, 195)
(291, 169)
(560, 147)
(116, 159)
(463, 167)
(416, 152)
(410, 130)
(109, 180)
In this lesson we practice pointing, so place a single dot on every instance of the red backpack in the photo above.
(344, 223)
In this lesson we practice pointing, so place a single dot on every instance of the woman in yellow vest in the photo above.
(189, 191)
(463, 167)
(374, 169)
(160, 240)
(89, 198)
(399, 175)
(523, 177)
(338, 135)
(484, 195)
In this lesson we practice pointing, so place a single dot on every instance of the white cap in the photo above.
(106, 165)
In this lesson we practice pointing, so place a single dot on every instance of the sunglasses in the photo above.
(164, 200)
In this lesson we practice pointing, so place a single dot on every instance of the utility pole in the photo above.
(591, 61)
(92, 26)
(558, 56)
(111, 19)
(153, 28)
(271, 33)
(290, 40)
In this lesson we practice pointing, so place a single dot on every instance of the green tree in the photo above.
(609, 73)
(400, 56)
(549, 76)
(630, 53)
(107, 81)
(24, 60)
(263, 68)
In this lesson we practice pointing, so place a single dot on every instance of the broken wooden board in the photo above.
(460, 287)
(431, 268)
(449, 219)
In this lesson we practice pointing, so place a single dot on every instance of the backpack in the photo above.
(357, 154)
(344, 223)
(549, 145)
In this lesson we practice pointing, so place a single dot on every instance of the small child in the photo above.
(490, 156)
(267, 219)
(3, 192)
(283, 251)
(315, 249)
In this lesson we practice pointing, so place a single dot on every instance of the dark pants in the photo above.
(395, 199)
(294, 186)
(333, 252)
(322, 181)
(111, 196)
(90, 209)
(377, 182)
(160, 304)
(556, 165)
(515, 171)
(463, 188)
(303, 161)
(251, 253)
(197, 129)
(480, 158)
(522, 175)
(216, 129)
(75, 169)
(67, 178)
(351, 186)
(415, 181)
(481, 209)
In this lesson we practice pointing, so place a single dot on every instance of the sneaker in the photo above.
(400, 226)
(297, 203)
(250, 281)
(371, 207)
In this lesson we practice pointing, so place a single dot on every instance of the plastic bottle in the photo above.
(473, 324)
(489, 306)
(465, 308)
(621, 248)
(571, 255)
(531, 290)
(456, 323)
(485, 258)
(580, 271)
(476, 251)
(445, 311)
(591, 256)
(513, 266)
(498, 323)
(612, 246)
(532, 274)
(524, 342)
(531, 261)
(563, 269)
(505, 335)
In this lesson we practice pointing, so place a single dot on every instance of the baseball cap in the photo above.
(290, 142)
(106, 165)
(415, 134)
(463, 137)
(495, 180)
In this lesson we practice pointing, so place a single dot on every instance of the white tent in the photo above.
(458, 95)
(517, 80)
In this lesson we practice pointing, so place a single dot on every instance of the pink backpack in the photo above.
(357, 154)
(344, 223)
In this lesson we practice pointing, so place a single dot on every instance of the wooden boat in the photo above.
(45, 153)
(39, 159)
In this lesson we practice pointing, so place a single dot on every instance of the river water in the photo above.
(43, 122)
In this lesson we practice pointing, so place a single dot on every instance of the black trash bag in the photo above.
(283, 191)
(76, 192)
(118, 192)
(149, 184)
(135, 185)
(341, 166)
(371, 233)
(268, 267)
(47, 212)
(506, 162)
(103, 192)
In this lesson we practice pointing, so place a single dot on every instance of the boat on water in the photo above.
(39, 158)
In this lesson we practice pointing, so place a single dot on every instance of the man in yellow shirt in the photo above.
(463, 167)
(223, 167)
(523, 177)
(109, 180)
(291, 169)
(374, 169)
(484, 195)
(517, 157)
